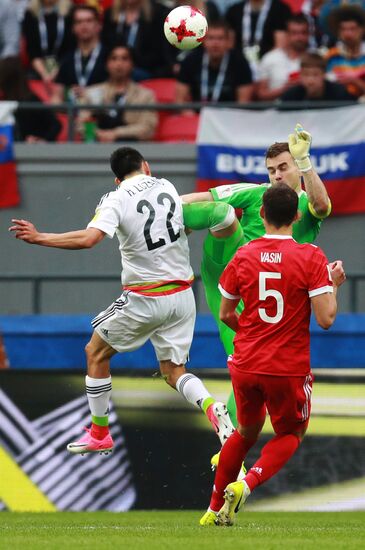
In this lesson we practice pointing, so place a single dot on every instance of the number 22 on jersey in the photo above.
(145, 204)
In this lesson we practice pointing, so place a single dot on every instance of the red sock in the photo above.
(274, 455)
(230, 461)
(99, 432)
(210, 414)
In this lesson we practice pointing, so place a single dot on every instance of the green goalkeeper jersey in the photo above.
(248, 196)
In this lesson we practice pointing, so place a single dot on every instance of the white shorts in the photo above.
(168, 321)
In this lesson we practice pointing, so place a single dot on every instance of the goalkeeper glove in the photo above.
(299, 146)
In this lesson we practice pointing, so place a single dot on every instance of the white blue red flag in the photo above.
(9, 194)
(232, 145)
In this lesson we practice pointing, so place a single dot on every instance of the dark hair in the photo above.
(84, 7)
(313, 60)
(276, 149)
(298, 19)
(280, 204)
(219, 24)
(124, 161)
(128, 49)
(13, 80)
(343, 14)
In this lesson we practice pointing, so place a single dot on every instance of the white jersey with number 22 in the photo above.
(146, 214)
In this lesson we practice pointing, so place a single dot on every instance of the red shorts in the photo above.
(287, 398)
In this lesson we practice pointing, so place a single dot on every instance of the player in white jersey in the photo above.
(157, 302)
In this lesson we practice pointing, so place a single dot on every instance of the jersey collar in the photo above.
(266, 236)
(134, 178)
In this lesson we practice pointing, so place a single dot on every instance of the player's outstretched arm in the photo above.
(72, 240)
(299, 146)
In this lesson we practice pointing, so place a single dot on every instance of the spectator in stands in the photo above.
(30, 125)
(47, 31)
(139, 25)
(9, 29)
(313, 84)
(325, 10)
(259, 26)
(21, 6)
(346, 61)
(208, 7)
(223, 5)
(85, 65)
(319, 35)
(215, 72)
(100, 5)
(119, 124)
(278, 70)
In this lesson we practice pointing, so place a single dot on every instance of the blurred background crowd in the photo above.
(114, 53)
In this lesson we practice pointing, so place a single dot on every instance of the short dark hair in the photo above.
(280, 204)
(219, 24)
(298, 19)
(84, 7)
(276, 149)
(313, 60)
(128, 49)
(124, 161)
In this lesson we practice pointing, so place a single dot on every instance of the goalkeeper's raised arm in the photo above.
(299, 145)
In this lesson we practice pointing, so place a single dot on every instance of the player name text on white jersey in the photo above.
(143, 185)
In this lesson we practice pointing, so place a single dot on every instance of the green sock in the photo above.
(208, 401)
(216, 255)
(232, 409)
(100, 420)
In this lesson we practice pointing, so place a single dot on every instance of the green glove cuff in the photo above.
(304, 164)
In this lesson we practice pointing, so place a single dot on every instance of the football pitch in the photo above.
(177, 530)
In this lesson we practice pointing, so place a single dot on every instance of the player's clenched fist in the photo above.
(299, 147)
(337, 272)
(24, 230)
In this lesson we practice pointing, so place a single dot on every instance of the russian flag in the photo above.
(232, 145)
(9, 194)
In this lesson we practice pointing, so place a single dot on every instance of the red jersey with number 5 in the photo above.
(275, 277)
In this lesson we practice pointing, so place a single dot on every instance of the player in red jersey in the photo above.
(279, 281)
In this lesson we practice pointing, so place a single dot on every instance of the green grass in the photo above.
(178, 530)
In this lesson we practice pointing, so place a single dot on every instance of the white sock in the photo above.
(192, 388)
(98, 391)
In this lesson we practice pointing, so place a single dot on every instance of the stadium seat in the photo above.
(163, 88)
(179, 128)
(44, 92)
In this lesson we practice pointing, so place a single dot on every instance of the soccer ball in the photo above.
(185, 27)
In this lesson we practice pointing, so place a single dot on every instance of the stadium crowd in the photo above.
(104, 52)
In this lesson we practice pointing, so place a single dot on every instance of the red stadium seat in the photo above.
(179, 128)
(164, 88)
(42, 90)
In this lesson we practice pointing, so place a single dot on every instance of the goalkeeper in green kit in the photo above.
(286, 162)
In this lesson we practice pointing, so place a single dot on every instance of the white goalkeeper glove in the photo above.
(299, 147)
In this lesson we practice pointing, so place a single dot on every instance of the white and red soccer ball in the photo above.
(185, 27)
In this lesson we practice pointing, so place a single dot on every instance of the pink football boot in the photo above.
(88, 444)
